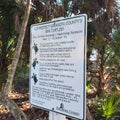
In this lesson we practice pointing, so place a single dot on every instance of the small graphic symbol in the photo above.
(35, 47)
(34, 76)
(61, 106)
(35, 62)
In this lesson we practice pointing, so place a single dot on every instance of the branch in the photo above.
(12, 107)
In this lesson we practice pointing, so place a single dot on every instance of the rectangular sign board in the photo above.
(58, 66)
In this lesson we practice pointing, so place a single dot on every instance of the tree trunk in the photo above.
(12, 107)
(16, 56)
(4, 99)
(88, 114)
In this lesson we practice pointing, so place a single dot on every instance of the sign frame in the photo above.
(32, 76)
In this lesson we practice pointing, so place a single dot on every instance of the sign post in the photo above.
(56, 116)
(58, 66)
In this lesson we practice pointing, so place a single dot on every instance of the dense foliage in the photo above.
(103, 76)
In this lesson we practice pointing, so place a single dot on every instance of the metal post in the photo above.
(56, 116)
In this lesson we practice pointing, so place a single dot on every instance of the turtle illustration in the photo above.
(35, 47)
(35, 78)
(35, 62)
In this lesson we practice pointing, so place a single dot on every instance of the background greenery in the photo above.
(103, 42)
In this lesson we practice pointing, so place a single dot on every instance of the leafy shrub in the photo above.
(111, 106)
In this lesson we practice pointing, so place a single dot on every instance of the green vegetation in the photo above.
(111, 106)
(103, 72)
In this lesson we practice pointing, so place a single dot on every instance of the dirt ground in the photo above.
(22, 100)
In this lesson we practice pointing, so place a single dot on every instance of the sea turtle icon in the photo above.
(34, 77)
(35, 47)
(35, 62)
